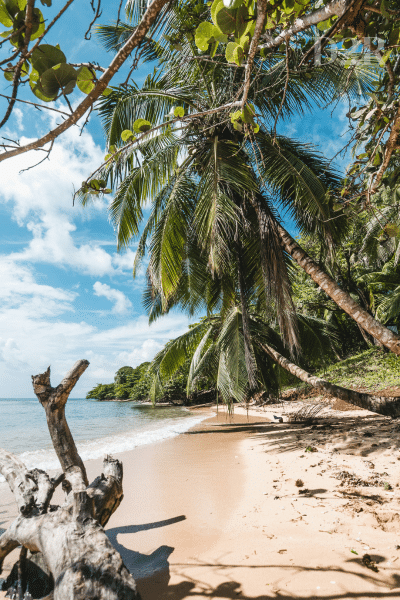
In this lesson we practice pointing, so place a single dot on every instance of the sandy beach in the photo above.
(216, 512)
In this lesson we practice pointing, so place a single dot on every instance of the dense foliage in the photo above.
(129, 383)
(135, 383)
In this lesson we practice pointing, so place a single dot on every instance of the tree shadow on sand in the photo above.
(361, 435)
(250, 427)
(150, 571)
(231, 589)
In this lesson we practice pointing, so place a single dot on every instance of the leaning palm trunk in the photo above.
(338, 295)
(390, 407)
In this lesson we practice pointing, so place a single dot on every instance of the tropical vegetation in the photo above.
(220, 188)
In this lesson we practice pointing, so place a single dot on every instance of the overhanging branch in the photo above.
(337, 7)
(134, 40)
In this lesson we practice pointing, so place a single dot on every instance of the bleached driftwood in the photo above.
(71, 539)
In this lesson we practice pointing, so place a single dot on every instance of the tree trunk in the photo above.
(389, 407)
(70, 538)
(338, 295)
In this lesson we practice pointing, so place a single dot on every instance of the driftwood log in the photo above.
(69, 539)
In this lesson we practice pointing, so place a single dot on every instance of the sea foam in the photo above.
(113, 444)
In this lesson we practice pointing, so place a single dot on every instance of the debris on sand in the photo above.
(369, 563)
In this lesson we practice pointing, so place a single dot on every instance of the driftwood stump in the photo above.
(75, 552)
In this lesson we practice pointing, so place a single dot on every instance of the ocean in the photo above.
(98, 428)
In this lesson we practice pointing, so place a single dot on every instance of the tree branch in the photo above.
(336, 7)
(54, 400)
(50, 25)
(134, 40)
(38, 106)
(137, 140)
(261, 12)
(390, 147)
(388, 406)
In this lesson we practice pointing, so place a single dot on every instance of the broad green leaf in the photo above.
(226, 19)
(179, 111)
(5, 18)
(248, 114)
(38, 26)
(238, 55)
(37, 90)
(235, 116)
(85, 80)
(256, 128)
(141, 125)
(242, 21)
(244, 41)
(229, 52)
(204, 33)
(45, 57)
(46, 2)
(234, 53)
(60, 77)
(13, 7)
(213, 48)
(107, 92)
(219, 36)
(127, 135)
(270, 23)
(9, 75)
(216, 5)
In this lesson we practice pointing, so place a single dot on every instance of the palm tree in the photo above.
(207, 169)
(217, 347)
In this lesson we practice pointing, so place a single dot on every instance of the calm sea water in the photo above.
(98, 427)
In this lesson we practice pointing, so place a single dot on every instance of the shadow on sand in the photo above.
(196, 588)
(151, 572)
(351, 435)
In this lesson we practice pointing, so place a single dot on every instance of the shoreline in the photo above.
(215, 512)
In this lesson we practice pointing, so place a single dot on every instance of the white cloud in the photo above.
(121, 303)
(19, 291)
(19, 117)
(124, 261)
(29, 346)
(42, 202)
(143, 353)
(43, 324)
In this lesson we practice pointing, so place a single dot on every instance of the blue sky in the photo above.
(65, 292)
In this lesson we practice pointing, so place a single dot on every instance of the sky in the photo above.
(65, 291)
